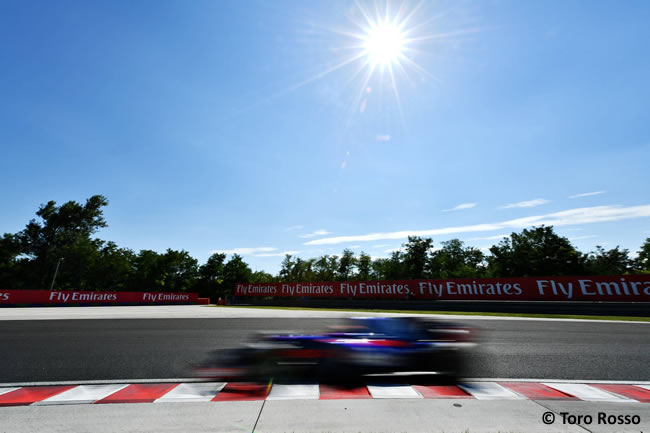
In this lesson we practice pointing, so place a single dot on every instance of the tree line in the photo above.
(61, 241)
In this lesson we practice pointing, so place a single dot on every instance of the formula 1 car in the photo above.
(362, 346)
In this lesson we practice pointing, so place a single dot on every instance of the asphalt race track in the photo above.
(116, 349)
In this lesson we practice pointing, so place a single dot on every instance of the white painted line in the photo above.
(84, 394)
(194, 380)
(539, 380)
(404, 373)
(6, 390)
(189, 392)
(205, 311)
(586, 392)
(489, 391)
(393, 391)
(294, 392)
(103, 382)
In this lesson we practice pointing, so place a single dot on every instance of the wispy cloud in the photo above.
(578, 238)
(292, 228)
(585, 215)
(344, 163)
(587, 194)
(461, 207)
(382, 137)
(402, 249)
(278, 254)
(314, 251)
(489, 238)
(527, 203)
(321, 232)
(245, 251)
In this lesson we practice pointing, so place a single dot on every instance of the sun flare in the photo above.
(384, 43)
(383, 46)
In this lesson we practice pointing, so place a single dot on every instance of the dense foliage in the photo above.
(61, 241)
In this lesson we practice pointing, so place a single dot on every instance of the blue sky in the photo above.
(217, 126)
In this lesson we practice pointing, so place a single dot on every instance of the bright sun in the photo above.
(384, 43)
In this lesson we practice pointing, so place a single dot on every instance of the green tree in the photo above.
(642, 261)
(77, 271)
(325, 268)
(113, 268)
(62, 232)
(10, 265)
(296, 270)
(416, 257)
(392, 268)
(609, 262)
(454, 260)
(364, 267)
(211, 275)
(259, 277)
(378, 268)
(147, 275)
(347, 263)
(179, 270)
(287, 269)
(304, 270)
(235, 271)
(535, 252)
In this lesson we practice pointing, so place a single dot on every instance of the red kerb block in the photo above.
(537, 391)
(441, 391)
(139, 393)
(31, 394)
(329, 392)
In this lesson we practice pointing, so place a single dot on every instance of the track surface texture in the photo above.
(115, 349)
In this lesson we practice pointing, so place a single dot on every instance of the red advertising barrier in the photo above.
(621, 288)
(46, 297)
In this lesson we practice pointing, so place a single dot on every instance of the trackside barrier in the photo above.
(66, 297)
(619, 288)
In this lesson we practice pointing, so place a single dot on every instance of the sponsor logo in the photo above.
(606, 288)
(255, 289)
(64, 297)
(588, 287)
(451, 288)
(157, 297)
(380, 288)
(307, 289)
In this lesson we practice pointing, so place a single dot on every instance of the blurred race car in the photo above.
(362, 346)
